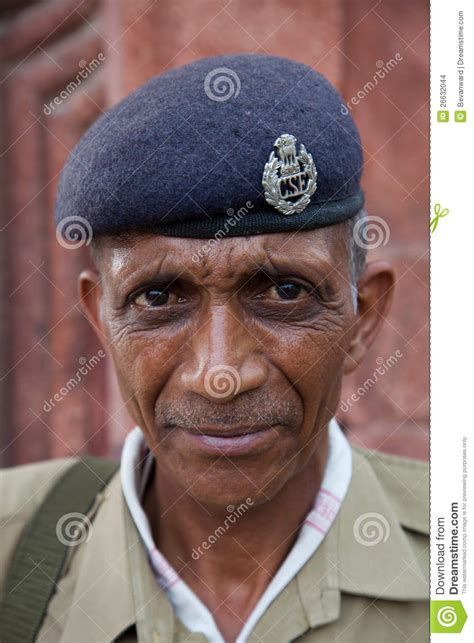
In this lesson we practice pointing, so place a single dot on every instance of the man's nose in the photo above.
(224, 360)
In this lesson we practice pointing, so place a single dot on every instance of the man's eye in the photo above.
(287, 291)
(155, 297)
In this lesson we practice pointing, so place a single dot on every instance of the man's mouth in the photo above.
(230, 441)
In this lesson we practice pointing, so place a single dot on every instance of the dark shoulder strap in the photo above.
(58, 523)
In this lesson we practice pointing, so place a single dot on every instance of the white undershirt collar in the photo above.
(135, 467)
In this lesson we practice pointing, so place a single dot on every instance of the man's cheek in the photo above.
(312, 363)
(138, 375)
(132, 349)
(309, 353)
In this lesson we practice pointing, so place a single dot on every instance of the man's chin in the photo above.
(231, 481)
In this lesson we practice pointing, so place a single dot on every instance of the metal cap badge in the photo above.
(289, 180)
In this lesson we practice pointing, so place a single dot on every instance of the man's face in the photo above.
(229, 355)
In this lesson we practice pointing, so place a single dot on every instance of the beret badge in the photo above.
(289, 179)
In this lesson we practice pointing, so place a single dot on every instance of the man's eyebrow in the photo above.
(291, 264)
(268, 270)
(158, 277)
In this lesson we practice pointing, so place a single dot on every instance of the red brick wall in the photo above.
(44, 334)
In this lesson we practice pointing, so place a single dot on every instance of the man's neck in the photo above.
(231, 571)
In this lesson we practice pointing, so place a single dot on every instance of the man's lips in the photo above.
(238, 440)
(227, 431)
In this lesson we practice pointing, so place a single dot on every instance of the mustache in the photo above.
(245, 409)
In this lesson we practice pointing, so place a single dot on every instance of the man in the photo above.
(229, 287)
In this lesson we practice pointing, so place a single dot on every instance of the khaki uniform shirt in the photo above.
(366, 583)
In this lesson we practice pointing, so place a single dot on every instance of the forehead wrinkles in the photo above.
(231, 260)
(243, 252)
(223, 261)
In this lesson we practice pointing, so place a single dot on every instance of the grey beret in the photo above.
(245, 144)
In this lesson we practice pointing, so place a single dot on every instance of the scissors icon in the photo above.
(438, 215)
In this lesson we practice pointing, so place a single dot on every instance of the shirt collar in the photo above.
(103, 604)
(188, 607)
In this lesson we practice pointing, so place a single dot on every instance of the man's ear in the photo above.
(375, 291)
(90, 295)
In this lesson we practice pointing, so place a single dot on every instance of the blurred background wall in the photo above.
(118, 44)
